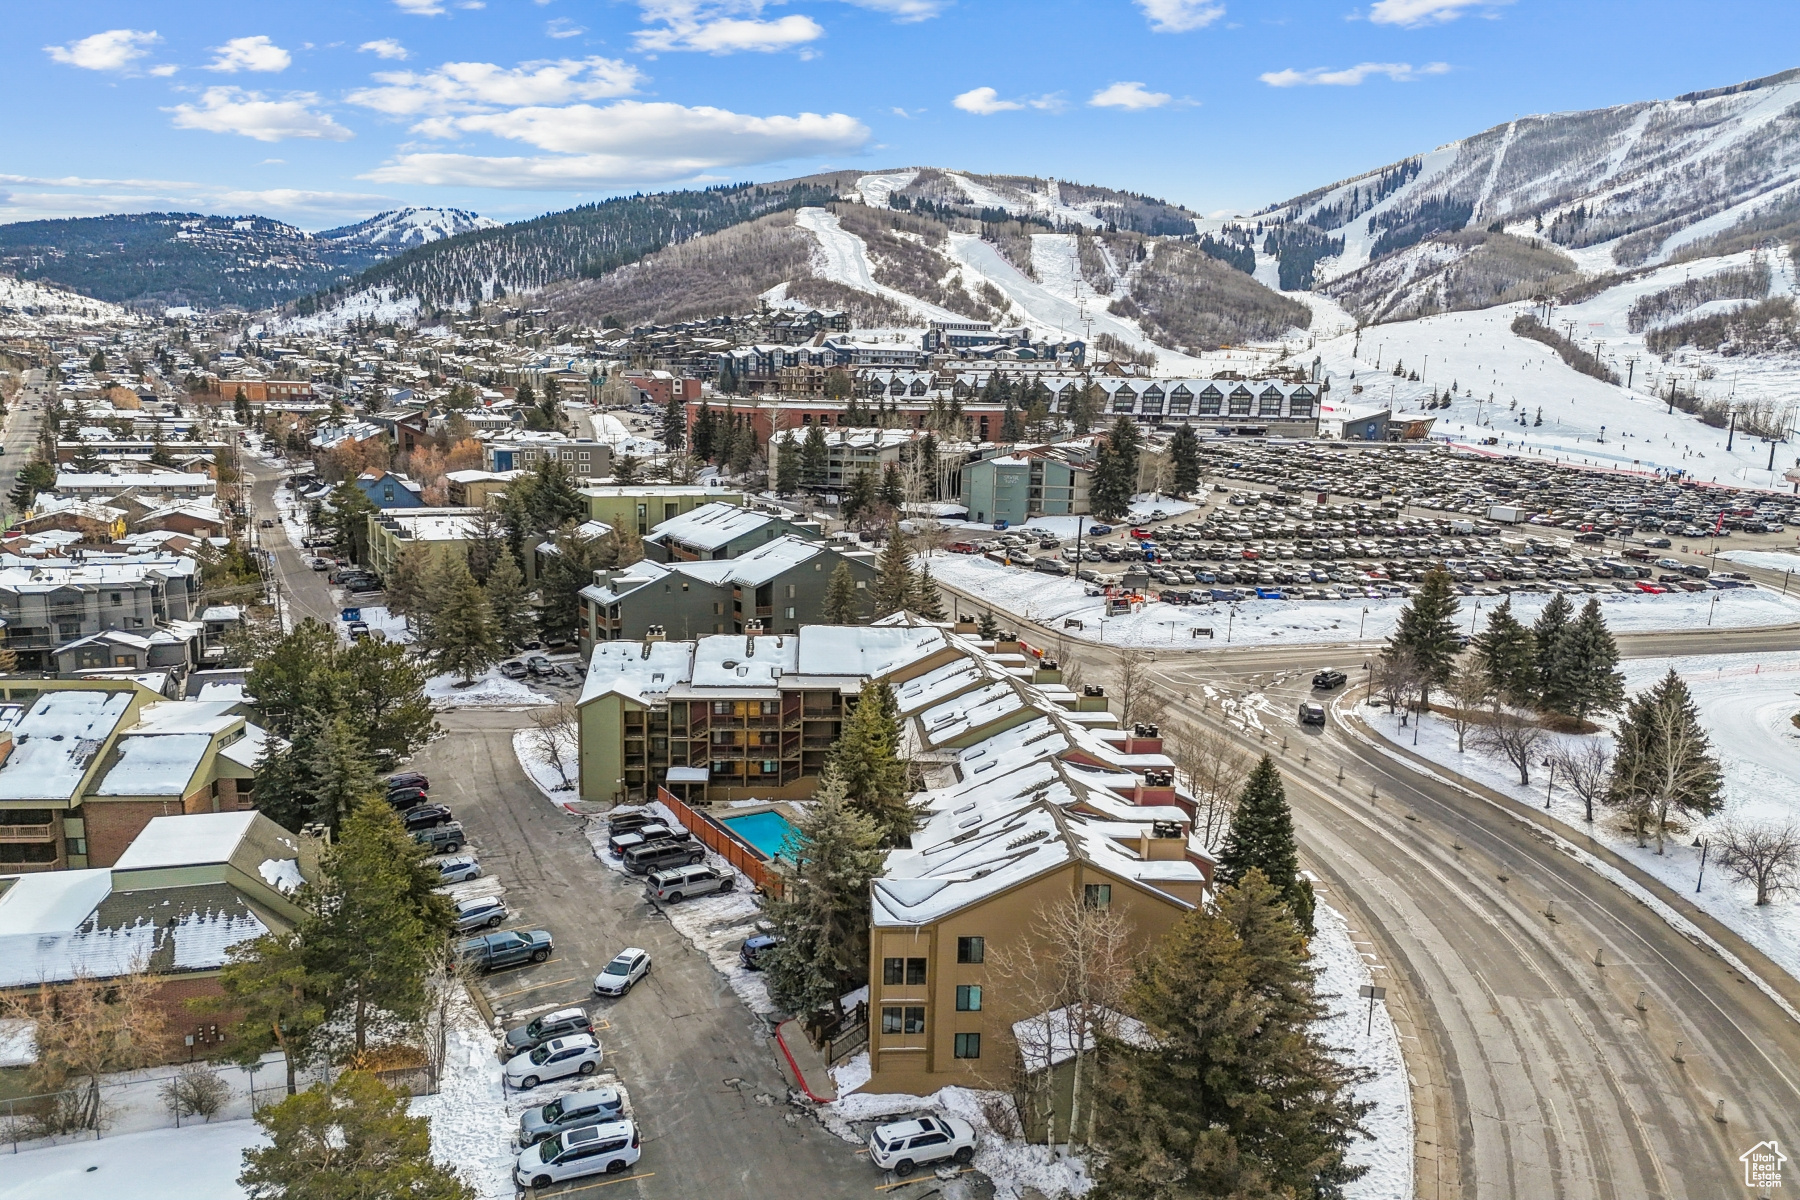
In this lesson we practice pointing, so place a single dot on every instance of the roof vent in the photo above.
(729, 664)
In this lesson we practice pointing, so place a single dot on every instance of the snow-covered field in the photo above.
(844, 258)
(542, 773)
(1051, 599)
(1745, 701)
(196, 1162)
(491, 689)
(1772, 560)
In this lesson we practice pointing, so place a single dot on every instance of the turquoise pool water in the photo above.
(769, 832)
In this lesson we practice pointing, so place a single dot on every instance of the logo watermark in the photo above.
(1762, 1164)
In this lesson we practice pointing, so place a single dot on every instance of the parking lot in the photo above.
(701, 1070)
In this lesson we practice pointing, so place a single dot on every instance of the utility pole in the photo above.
(1630, 370)
(1731, 434)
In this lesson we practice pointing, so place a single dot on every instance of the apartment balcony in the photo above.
(27, 833)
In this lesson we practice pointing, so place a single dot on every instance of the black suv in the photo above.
(655, 856)
(427, 816)
(1325, 681)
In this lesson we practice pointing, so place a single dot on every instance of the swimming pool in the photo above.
(769, 832)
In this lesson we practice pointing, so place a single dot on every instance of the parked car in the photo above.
(442, 839)
(899, 1146)
(427, 816)
(491, 951)
(678, 884)
(594, 1106)
(459, 869)
(1325, 681)
(754, 947)
(407, 779)
(407, 798)
(480, 912)
(1312, 714)
(512, 668)
(621, 842)
(627, 967)
(625, 822)
(539, 665)
(575, 1054)
(545, 1028)
(592, 1150)
(661, 855)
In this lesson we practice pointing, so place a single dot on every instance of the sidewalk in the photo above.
(802, 1064)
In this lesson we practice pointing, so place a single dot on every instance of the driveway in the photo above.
(710, 1098)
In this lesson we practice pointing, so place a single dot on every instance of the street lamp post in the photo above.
(1360, 624)
(1711, 609)
(1704, 847)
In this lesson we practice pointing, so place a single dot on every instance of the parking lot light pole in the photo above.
(1362, 623)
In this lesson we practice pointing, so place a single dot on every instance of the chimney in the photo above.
(652, 635)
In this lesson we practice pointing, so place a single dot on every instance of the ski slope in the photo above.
(877, 190)
(844, 258)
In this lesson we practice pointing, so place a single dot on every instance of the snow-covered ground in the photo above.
(844, 258)
(543, 775)
(196, 1162)
(715, 925)
(491, 689)
(1746, 702)
(379, 305)
(1772, 560)
(1050, 600)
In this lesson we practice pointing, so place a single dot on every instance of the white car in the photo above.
(899, 1146)
(459, 869)
(630, 965)
(480, 912)
(590, 1150)
(576, 1054)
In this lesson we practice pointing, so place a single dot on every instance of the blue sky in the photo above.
(325, 112)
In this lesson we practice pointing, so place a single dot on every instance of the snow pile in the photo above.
(18, 1042)
(389, 625)
(538, 769)
(195, 1162)
(715, 924)
(491, 689)
(1746, 702)
(281, 873)
(472, 1116)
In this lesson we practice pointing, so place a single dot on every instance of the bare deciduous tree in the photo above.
(1465, 699)
(1215, 769)
(1512, 735)
(1586, 770)
(1765, 856)
(88, 1029)
(1135, 689)
(555, 737)
(1394, 677)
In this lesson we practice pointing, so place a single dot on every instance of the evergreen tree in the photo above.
(285, 781)
(1126, 442)
(510, 605)
(926, 600)
(815, 460)
(674, 425)
(1012, 430)
(1184, 461)
(159, 449)
(274, 1001)
(462, 640)
(894, 585)
(342, 776)
(351, 1137)
(743, 450)
(38, 476)
(705, 431)
(348, 520)
(1506, 653)
(381, 689)
(842, 607)
(1664, 763)
(572, 568)
(859, 498)
(625, 470)
(406, 583)
(293, 678)
(866, 757)
(1546, 634)
(988, 627)
(822, 916)
(1262, 838)
(1238, 1096)
(893, 488)
(1427, 632)
(373, 925)
(1109, 495)
(1587, 662)
(1083, 407)
(787, 466)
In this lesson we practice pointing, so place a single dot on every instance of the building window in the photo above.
(903, 1020)
(721, 708)
(968, 997)
(915, 970)
(770, 767)
(117, 599)
(892, 970)
(914, 1019)
(968, 1045)
(971, 949)
(890, 1020)
(1097, 895)
(790, 612)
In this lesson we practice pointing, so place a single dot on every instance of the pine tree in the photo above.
(1546, 635)
(1262, 838)
(1427, 631)
(987, 627)
(551, 497)
(1012, 430)
(860, 497)
(353, 1136)
(787, 466)
(893, 488)
(927, 601)
(381, 687)
(866, 757)
(1238, 1096)
(894, 585)
(342, 776)
(1109, 495)
(815, 460)
(704, 433)
(625, 470)
(674, 425)
(275, 1002)
(822, 916)
(1587, 663)
(743, 450)
(1127, 442)
(373, 925)
(1505, 652)
(406, 582)
(1664, 762)
(572, 568)
(842, 607)
(463, 639)
(510, 605)
(1184, 461)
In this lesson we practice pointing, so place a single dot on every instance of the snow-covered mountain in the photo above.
(404, 228)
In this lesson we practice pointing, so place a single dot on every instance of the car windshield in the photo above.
(540, 1056)
(553, 1110)
(618, 966)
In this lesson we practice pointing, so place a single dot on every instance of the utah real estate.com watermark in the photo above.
(1762, 1164)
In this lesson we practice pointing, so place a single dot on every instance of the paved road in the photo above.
(701, 1068)
(21, 433)
(305, 590)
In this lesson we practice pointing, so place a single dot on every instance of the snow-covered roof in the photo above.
(637, 670)
(56, 740)
(871, 651)
(1050, 1038)
(711, 526)
(187, 840)
(728, 660)
(155, 764)
(50, 901)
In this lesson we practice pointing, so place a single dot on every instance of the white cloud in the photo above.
(164, 69)
(1180, 16)
(562, 27)
(74, 195)
(465, 87)
(114, 50)
(905, 11)
(1128, 96)
(711, 27)
(984, 102)
(1424, 12)
(251, 115)
(250, 54)
(420, 8)
(1351, 76)
(384, 48)
(626, 142)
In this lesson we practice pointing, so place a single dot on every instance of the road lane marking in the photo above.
(535, 987)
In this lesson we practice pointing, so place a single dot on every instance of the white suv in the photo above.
(902, 1145)
(576, 1054)
(591, 1150)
